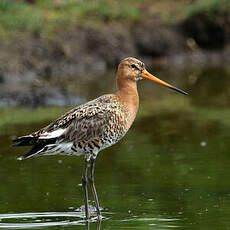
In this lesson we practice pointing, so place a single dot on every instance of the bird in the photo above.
(91, 127)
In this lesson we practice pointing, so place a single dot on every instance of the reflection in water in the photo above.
(35, 220)
(45, 219)
(87, 224)
(210, 87)
(159, 223)
(68, 219)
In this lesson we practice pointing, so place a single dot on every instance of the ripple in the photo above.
(160, 223)
(152, 219)
(42, 219)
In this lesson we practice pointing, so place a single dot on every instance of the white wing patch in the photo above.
(53, 134)
(60, 149)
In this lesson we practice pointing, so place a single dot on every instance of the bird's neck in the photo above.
(128, 95)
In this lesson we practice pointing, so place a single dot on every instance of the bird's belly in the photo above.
(62, 149)
(91, 144)
(82, 147)
(94, 146)
(109, 141)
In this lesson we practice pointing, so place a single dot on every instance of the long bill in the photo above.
(145, 74)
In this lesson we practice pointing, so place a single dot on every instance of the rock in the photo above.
(35, 96)
(209, 31)
(37, 71)
(111, 44)
(157, 41)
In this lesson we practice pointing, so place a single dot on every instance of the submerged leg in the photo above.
(91, 180)
(87, 225)
(84, 185)
(99, 224)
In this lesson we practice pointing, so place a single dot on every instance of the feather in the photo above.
(34, 151)
(53, 134)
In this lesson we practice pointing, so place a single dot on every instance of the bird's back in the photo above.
(86, 129)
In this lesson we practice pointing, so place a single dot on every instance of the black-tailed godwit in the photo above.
(93, 126)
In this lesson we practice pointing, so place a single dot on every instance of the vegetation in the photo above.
(209, 7)
(44, 17)
(47, 16)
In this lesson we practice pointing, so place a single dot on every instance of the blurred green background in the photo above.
(171, 169)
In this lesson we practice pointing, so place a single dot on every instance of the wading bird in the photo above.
(93, 126)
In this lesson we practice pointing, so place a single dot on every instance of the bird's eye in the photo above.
(133, 66)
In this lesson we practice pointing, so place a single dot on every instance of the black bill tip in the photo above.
(179, 90)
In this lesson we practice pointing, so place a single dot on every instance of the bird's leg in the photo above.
(99, 224)
(91, 181)
(87, 225)
(84, 185)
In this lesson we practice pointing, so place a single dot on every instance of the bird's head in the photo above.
(132, 69)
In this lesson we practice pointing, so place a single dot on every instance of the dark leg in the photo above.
(84, 185)
(91, 180)
(99, 224)
(87, 225)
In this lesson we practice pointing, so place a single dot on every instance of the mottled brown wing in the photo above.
(93, 119)
(91, 127)
(63, 121)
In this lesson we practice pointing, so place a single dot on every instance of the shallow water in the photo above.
(171, 171)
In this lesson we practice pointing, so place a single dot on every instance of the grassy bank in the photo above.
(45, 17)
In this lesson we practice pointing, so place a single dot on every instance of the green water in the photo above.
(171, 171)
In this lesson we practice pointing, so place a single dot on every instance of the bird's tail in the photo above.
(33, 152)
(38, 145)
(25, 140)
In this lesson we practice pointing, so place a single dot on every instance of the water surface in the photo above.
(171, 171)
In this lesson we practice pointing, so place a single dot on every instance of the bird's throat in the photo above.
(128, 95)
